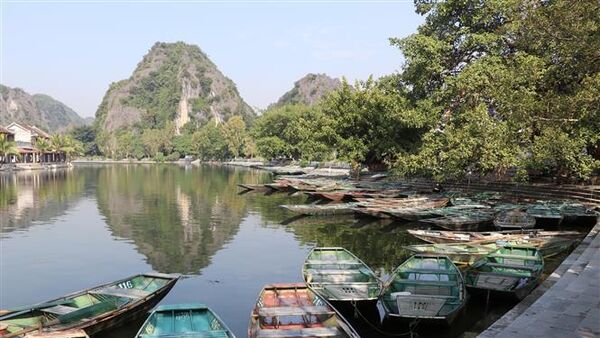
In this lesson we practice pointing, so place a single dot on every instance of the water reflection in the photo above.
(176, 218)
(38, 196)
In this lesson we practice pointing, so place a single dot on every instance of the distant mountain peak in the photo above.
(174, 82)
(308, 90)
(51, 115)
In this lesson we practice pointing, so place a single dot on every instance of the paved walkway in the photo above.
(567, 304)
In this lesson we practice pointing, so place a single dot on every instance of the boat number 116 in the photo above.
(126, 285)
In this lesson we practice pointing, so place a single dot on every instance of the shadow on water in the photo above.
(73, 229)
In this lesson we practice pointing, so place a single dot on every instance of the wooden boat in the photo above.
(184, 320)
(254, 187)
(428, 287)
(487, 237)
(91, 310)
(294, 310)
(321, 210)
(511, 270)
(464, 254)
(376, 212)
(472, 221)
(545, 215)
(461, 254)
(337, 275)
(578, 213)
(514, 219)
(413, 213)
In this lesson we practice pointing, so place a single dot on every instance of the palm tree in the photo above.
(66, 145)
(43, 146)
(7, 148)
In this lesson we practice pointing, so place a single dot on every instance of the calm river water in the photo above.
(68, 230)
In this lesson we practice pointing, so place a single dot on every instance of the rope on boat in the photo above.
(412, 325)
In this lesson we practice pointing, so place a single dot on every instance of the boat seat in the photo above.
(431, 271)
(60, 309)
(340, 262)
(308, 332)
(511, 266)
(334, 271)
(119, 292)
(294, 311)
(426, 282)
(525, 258)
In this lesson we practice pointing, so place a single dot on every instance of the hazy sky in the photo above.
(72, 50)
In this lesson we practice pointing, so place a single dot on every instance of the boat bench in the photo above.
(431, 271)
(426, 282)
(525, 258)
(340, 262)
(308, 332)
(334, 272)
(119, 292)
(60, 309)
(511, 266)
(294, 311)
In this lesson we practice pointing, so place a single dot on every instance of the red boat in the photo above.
(293, 310)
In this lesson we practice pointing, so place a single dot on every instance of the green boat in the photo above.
(184, 320)
(545, 215)
(337, 275)
(514, 220)
(428, 287)
(511, 270)
(89, 311)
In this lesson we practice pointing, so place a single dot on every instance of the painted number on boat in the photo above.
(420, 305)
(126, 285)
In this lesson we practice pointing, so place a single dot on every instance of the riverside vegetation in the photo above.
(485, 88)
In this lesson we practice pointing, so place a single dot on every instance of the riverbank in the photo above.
(566, 304)
(34, 166)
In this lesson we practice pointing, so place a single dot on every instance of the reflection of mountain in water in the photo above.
(38, 196)
(379, 244)
(177, 218)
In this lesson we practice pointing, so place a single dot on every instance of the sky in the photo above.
(72, 50)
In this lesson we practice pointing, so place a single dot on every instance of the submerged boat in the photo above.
(545, 215)
(511, 270)
(321, 210)
(337, 275)
(514, 220)
(184, 320)
(466, 221)
(92, 310)
(294, 310)
(427, 287)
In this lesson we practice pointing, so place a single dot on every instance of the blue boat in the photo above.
(184, 320)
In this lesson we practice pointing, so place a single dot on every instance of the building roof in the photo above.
(33, 129)
(5, 131)
(39, 131)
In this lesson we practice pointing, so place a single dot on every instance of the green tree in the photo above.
(43, 146)
(7, 148)
(87, 136)
(235, 133)
(373, 121)
(210, 142)
(294, 131)
(495, 78)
